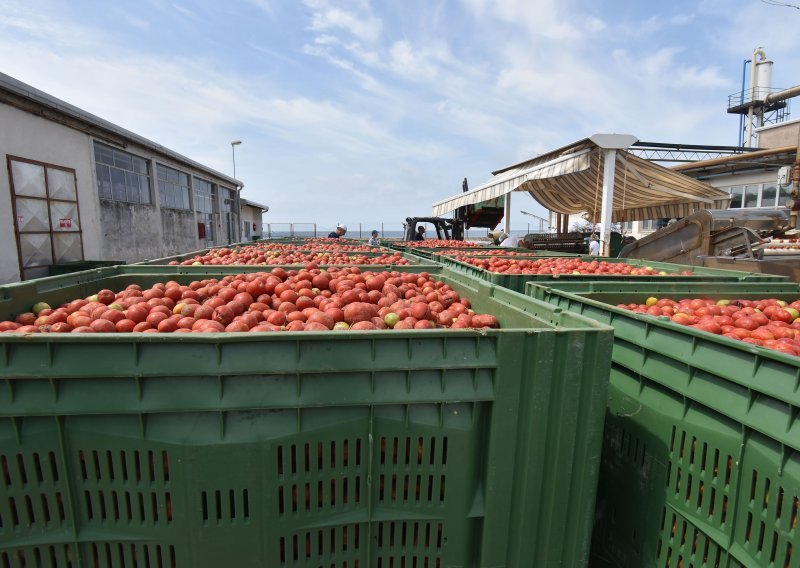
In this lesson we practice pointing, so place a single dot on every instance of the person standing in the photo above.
(509, 241)
(373, 241)
(341, 229)
(420, 234)
(594, 245)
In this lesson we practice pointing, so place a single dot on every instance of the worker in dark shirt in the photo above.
(341, 229)
(420, 234)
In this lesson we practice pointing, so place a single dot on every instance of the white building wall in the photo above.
(251, 215)
(25, 135)
(111, 230)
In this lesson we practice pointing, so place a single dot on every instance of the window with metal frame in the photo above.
(121, 176)
(173, 188)
(758, 195)
(47, 226)
(205, 194)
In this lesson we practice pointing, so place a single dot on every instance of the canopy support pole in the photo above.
(609, 167)
(507, 214)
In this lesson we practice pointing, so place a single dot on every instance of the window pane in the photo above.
(736, 197)
(784, 194)
(123, 160)
(118, 185)
(144, 189)
(132, 183)
(139, 165)
(103, 154)
(103, 181)
(751, 196)
(162, 171)
(768, 194)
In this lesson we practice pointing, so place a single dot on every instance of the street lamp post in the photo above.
(233, 155)
(238, 212)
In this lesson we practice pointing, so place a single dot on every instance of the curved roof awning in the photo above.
(570, 180)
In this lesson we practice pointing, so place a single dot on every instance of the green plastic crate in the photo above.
(701, 452)
(181, 257)
(482, 252)
(80, 265)
(440, 447)
(517, 282)
(606, 291)
(528, 254)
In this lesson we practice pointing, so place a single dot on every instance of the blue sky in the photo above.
(368, 112)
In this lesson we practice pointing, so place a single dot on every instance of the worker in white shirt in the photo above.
(594, 245)
(508, 241)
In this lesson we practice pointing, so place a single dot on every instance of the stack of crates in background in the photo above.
(351, 449)
(701, 449)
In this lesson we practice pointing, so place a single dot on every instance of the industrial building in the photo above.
(79, 188)
(755, 171)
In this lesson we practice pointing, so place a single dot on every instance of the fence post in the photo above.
(315, 230)
(359, 230)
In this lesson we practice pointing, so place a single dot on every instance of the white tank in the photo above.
(763, 79)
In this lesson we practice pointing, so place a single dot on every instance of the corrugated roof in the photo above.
(569, 180)
(16, 87)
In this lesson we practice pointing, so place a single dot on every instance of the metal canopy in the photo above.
(570, 180)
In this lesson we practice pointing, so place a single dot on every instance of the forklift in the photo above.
(487, 214)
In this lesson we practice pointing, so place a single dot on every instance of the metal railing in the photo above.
(278, 230)
(748, 95)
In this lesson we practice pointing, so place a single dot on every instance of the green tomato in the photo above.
(391, 319)
(39, 306)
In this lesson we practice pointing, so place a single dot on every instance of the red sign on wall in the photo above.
(65, 223)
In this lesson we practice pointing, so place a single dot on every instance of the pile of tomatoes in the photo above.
(563, 265)
(307, 299)
(261, 256)
(770, 323)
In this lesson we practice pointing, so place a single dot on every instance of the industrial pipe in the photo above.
(782, 95)
(735, 158)
(795, 200)
(754, 61)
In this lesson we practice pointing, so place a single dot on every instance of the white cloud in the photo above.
(396, 101)
(406, 63)
(325, 18)
(549, 19)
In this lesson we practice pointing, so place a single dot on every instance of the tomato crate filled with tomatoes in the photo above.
(296, 416)
(513, 273)
(279, 254)
(701, 448)
(502, 252)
